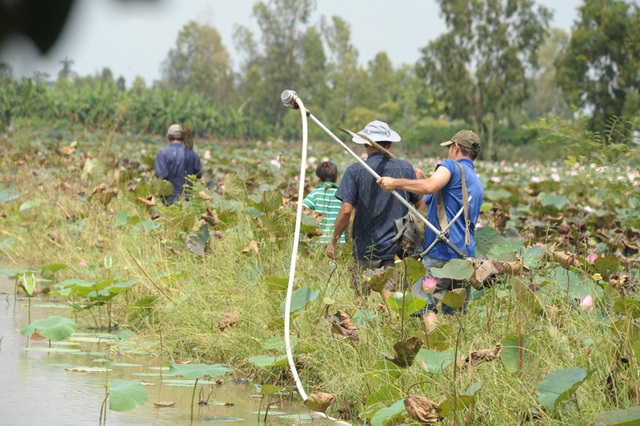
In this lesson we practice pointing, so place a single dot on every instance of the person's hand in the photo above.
(330, 251)
(386, 183)
(419, 173)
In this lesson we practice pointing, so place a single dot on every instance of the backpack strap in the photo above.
(442, 215)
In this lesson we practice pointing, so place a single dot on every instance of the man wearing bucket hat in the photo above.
(175, 162)
(376, 211)
(448, 189)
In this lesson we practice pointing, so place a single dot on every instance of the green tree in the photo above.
(313, 87)
(381, 84)
(251, 81)
(347, 81)
(480, 67)
(600, 68)
(276, 64)
(314, 69)
(200, 63)
(546, 97)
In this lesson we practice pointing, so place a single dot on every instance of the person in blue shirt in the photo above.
(376, 211)
(464, 148)
(175, 162)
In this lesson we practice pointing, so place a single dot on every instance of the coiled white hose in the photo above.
(292, 268)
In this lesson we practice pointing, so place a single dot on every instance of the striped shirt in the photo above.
(322, 199)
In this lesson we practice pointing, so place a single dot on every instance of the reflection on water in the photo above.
(38, 388)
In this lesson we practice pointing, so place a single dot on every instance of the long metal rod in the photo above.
(439, 235)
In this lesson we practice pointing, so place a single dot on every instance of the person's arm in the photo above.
(161, 166)
(429, 185)
(342, 221)
(198, 166)
(309, 201)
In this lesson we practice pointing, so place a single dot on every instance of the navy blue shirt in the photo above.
(174, 163)
(452, 200)
(376, 209)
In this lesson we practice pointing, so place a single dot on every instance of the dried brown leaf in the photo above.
(149, 201)
(164, 403)
(629, 248)
(422, 409)
(252, 247)
(319, 401)
(565, 259)
(341, 324)
(406, 351)
(485, 271)
(204, 196)
(211, 218)
(67, 150)
(512, 268)
(228, 318)
(481, 355)
(623, 283)
(100, 188)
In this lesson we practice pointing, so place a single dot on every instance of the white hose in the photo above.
(292, 268)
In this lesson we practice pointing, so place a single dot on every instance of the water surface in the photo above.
(40, 388)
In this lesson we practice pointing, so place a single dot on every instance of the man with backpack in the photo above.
(376, 211)
(448, 189)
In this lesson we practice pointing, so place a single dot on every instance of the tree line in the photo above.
(497, 68)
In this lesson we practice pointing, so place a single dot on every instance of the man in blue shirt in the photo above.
(175, 162)
(464, 147)
(375, 210)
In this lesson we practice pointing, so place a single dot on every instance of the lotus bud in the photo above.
(429, 285)
(591, 257)
(586, 303)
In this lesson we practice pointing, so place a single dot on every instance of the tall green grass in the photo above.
(219, 307)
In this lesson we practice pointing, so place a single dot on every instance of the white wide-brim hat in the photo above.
(377, 131)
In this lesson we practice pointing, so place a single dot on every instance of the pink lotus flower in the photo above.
(586, 303)
(429, 285)
(83, 263)
(591, 257)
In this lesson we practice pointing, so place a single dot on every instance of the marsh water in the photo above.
(39, 386)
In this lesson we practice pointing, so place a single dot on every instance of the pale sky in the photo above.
(133, 38)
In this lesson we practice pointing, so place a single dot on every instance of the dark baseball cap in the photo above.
(467, 138)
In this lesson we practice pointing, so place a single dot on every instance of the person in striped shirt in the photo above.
(322, 199)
